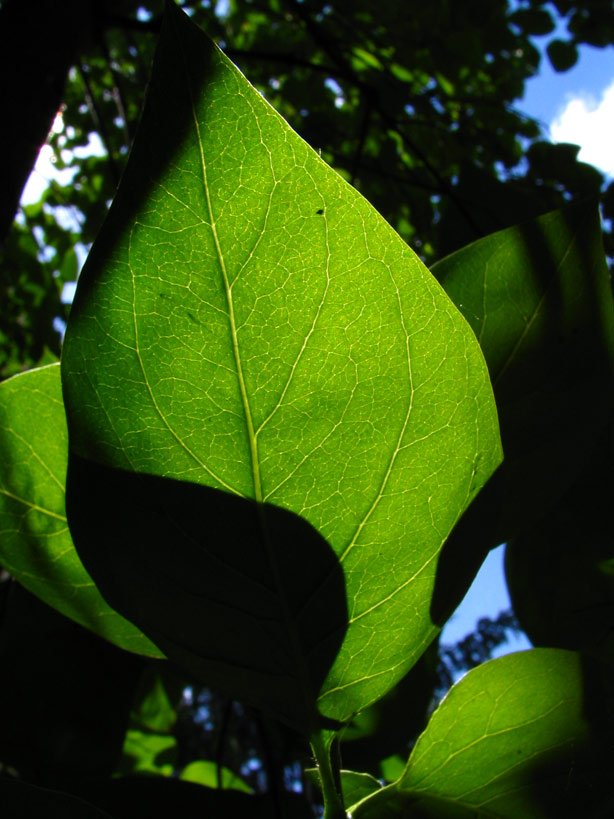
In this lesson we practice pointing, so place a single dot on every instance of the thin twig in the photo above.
(118, 97)
(99, 124)
(333, 53)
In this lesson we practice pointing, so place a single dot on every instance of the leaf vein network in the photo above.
(398, 446)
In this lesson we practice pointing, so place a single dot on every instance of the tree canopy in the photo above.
(417, 106)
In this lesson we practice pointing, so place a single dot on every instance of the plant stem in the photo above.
(333, 802)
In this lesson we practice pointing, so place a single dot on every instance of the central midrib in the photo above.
(302, 671)
(251, 434)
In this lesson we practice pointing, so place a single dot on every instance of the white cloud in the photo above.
(45, 169)
(42, 174)
(589, 123)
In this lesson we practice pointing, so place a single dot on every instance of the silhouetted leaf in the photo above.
(563, 54)
(533, 21)
(355, 786)
(67, 694)
(538, 297)
(557, 573)
(158, 797)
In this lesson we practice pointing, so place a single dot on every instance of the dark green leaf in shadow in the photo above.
(538, 298)
(555, 573)
(519, 736)
(533, 21)
(66, 694)
(154, 797)
(247, 322)
(19, 800)
(210, 601)
(35, 543)
(563, 54)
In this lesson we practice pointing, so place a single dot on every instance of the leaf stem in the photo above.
(321, 742)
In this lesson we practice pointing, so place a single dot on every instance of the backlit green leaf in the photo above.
(355, 786)
(514, 738)
(276, 415)
(150, 744)
(35, 544)
(209, 773)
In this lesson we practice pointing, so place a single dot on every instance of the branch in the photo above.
(99, 123)
(320, 38)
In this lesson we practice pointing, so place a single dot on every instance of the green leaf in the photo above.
(149, 753)
(150, 744)
(392, 767)
(35, 543)
(385, 728)
(562, 55)
(50, 673)
(533, 21)
(357, 786)
(206, 772)
(155, 797)
(513, 738)
(354, 786)
(539, 300)
(276, 415)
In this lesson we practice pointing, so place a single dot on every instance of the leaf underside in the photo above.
(516, 736)
(293, 410)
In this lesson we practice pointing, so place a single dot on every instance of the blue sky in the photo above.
(576, 106)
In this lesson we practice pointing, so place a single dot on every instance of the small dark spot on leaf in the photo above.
(320, 211)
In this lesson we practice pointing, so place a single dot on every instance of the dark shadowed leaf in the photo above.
(20, 800)
(276, 415)
(563, 54)
(35, 543)
(538, 297)
(157, 797)
(51, 672)
(557, 573)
